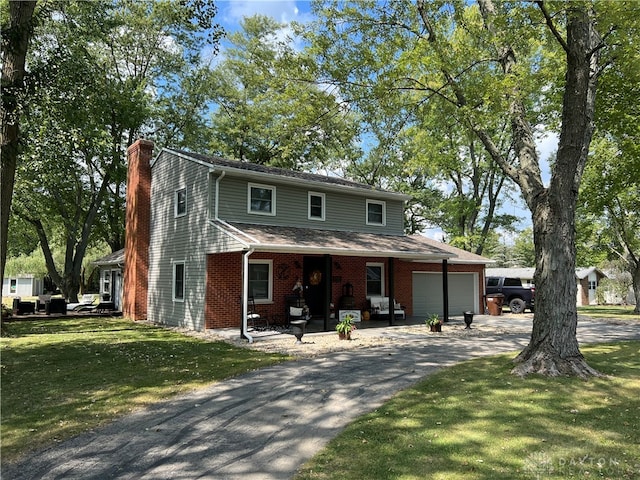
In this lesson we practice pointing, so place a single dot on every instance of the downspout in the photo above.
(245, 293)
(217, 197)
(245, 268)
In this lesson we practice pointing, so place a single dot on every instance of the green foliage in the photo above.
(270, 108)
(104, 368)
(432, 320)
(524, 252)
(100, 74)
(419, 121)
(614, 289)
(346, 325)
(32, 264)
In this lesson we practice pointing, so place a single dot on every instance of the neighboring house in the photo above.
(22, 286)
(587, 279)
(111, 269)
(204, 234)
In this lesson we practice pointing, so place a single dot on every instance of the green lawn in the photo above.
(609, 311)
(477, 421)
(62, 377)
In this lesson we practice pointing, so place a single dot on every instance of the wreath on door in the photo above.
(315, 278)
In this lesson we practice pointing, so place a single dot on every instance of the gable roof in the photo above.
(295, 176)
(268, 238)
(115, 258)
(585, 272)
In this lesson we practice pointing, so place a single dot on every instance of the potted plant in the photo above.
(345, 327)
(434, 322)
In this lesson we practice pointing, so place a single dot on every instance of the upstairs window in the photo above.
(262, 199)
(376, 212)
(180, 202)
(316, 206)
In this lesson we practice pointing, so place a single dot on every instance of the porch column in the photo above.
(327, 291)
(392, 291)
(445, 290)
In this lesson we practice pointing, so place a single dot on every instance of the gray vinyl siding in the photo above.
(343, 211)
(185, 239)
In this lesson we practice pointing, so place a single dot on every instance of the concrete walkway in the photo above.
(266, 424)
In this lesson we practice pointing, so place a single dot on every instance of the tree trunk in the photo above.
(635, 276)
(553, 348)
(15, 42)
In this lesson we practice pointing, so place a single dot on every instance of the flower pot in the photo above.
(436, 328)
(344, 336)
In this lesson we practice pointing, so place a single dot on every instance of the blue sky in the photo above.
(230, 12)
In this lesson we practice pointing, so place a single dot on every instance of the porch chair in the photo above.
(255, 318)
(295, 313)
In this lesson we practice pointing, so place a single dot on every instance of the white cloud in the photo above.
(231, 13)
(282, 10)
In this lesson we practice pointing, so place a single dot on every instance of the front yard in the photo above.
(477, 421)
(62, 377)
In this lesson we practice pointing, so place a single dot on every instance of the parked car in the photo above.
(516, 296)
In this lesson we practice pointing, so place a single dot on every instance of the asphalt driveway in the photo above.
(267, 423)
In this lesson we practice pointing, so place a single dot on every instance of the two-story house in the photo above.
(204, 234)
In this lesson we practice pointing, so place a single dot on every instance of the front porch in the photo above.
(317, 326)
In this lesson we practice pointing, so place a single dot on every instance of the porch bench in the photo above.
(380, 307)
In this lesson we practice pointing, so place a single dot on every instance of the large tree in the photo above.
(100, 70)
(610, 194)
(535, 64)
(371, 52)
(610, 198)
(269, 108)
(17, 28)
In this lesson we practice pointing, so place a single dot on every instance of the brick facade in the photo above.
(137, 231)
(223, 294)
(224, 283)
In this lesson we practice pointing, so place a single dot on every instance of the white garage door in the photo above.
(427, 293)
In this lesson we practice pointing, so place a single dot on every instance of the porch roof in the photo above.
(268, 238)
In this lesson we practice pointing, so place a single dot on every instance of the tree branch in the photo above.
(551, 25)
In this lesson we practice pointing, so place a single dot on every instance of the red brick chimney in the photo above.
(137, 230)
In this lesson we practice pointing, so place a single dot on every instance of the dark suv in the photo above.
(516, 296)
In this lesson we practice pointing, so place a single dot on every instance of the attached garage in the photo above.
(428, 297)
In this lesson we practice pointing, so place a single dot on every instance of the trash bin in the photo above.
(494, 303)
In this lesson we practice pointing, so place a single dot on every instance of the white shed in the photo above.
(22, 286)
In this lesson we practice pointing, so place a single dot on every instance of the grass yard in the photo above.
(609, 311)
(477, 421)
(62, 377)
